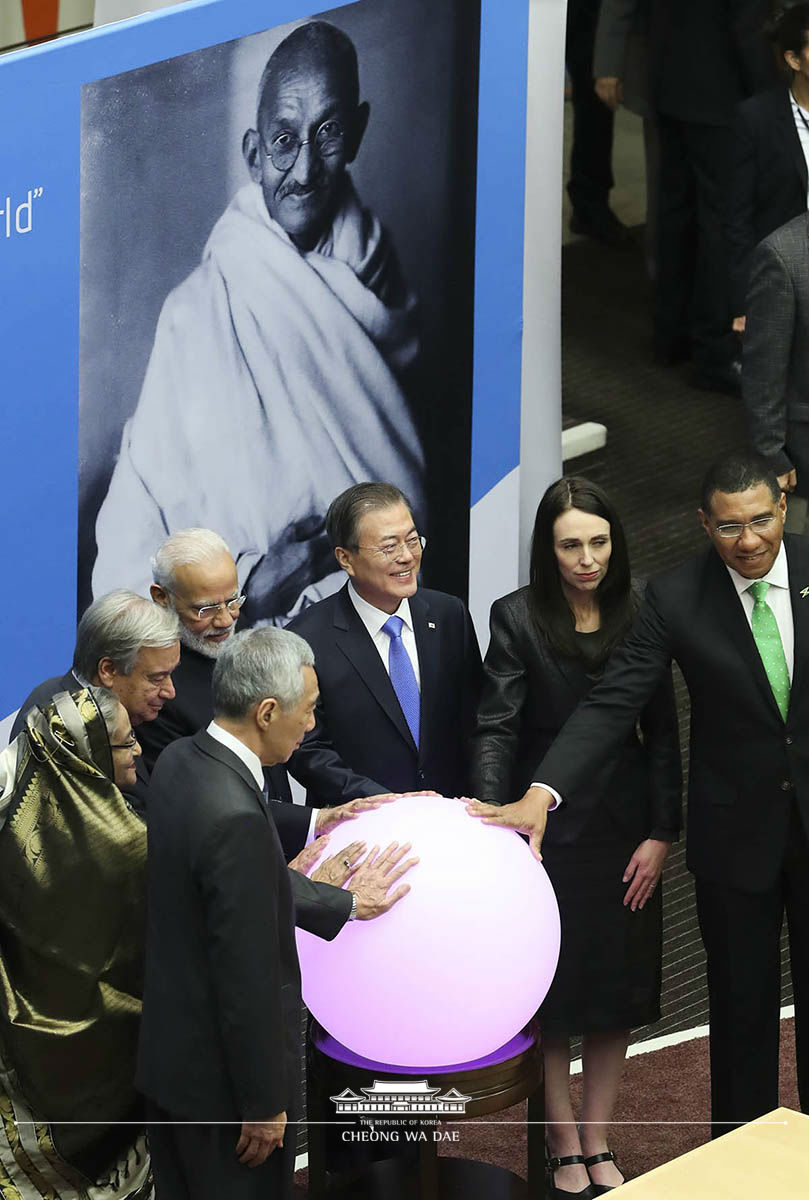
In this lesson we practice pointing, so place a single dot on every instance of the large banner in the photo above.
(207, 320)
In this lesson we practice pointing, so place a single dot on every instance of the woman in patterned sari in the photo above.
(72, 897)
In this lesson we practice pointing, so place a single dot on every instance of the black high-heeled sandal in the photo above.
(599, 1189)
(555, 1193)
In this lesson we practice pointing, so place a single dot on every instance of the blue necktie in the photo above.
(402, 676)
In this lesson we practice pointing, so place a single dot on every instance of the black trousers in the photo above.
(692, 298)
(591, 154)
(741, 932)
(198, 1162)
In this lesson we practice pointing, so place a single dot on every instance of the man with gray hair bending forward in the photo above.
(220, 1036)
(129, 645)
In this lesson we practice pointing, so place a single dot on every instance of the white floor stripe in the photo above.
(672, 1039)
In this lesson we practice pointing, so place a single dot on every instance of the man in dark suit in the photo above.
(399, 666)
(127, 645)
(705, 56)
(775, 374)
(736, 620)
(220, 1032)
(768, 183)
(195, 576)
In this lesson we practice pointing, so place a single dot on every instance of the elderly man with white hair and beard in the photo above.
(299, 314)
(195, 575)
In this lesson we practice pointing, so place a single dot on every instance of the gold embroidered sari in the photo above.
(72, 910)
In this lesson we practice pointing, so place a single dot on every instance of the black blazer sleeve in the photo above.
(739, 225)
(319, 908)
(601, 722)
(237, 871)
(658, 725)
(502, 699)
(749, 47)
(318, 767)
(768, 347)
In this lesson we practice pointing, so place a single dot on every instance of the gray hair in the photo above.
(107, 704)
(118, 626)
(193, 545)
(257, 664)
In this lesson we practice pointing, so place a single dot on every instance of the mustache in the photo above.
(293, 188)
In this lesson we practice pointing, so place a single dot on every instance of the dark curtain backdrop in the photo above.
(161, 157)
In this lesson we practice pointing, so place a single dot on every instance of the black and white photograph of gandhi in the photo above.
(277, 293)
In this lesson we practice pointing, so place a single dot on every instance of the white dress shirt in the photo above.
(373, 619)
(778, 599)
(801, 119)
(253, 764)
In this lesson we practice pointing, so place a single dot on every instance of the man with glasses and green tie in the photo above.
(736, 620)
(398, 665)
(281, 365)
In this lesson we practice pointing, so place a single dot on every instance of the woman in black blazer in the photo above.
(769, 180)
(604, 848)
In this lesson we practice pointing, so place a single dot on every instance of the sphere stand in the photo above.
(504, 1078)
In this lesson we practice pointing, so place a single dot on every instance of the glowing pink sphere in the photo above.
(458, 966)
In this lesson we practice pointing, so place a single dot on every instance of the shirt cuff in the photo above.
(310, 837)
(557, 799)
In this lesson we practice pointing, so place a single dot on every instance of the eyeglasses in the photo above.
(283, 153)
(760, 525)
(129, 744)
(233, 606)
(414, 545)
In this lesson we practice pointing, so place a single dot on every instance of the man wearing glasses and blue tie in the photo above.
(281, 364)
(398, 665)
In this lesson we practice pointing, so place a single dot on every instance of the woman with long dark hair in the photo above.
(604, 848)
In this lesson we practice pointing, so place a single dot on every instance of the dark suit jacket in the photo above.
(775, 365)
(769, 181)
(192, 710)
(746, 764)
(528, 693)
(42, 694)
(220, 1034)
(707, 55)
(361, 743)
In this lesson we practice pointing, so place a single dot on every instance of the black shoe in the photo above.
(555, 1193)
(600, 1188)
(722, 377)
(602, 225)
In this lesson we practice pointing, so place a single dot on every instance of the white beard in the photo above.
(202, 645)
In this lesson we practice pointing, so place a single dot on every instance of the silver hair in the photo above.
(118, 626)
(107, 704)
(257, 664)
(193, 545)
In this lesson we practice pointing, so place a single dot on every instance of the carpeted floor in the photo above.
(668, 1087)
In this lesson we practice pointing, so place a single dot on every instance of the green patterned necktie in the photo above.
(769, 646)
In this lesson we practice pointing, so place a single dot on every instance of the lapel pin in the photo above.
(431, 624)
(805, 592)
